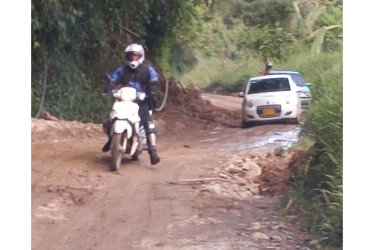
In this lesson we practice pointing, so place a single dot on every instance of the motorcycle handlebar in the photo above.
(114, 92)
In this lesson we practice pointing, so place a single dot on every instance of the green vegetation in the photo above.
(75, 43)
(318, 187)
(216, 45)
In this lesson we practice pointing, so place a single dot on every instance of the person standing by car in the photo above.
(267, 69)
(143, 77)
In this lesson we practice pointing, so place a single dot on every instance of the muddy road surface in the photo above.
(216, 187)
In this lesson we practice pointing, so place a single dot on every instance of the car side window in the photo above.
(298, 80)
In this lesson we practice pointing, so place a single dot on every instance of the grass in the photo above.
(221, 74)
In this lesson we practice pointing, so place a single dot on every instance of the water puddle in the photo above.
(243, 139)
(285, 139)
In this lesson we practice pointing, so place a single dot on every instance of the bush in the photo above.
(318, 189)
(70, 94)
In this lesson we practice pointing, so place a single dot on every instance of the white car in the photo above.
(269, 98)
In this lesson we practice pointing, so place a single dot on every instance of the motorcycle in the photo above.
(128, 135)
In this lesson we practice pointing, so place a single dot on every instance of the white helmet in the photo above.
(137, 49)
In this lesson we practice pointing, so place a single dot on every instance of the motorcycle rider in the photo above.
(143, 77)
(267, 69)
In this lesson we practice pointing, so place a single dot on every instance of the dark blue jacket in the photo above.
(144, 78)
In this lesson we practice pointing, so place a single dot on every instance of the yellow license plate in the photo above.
(268, 111)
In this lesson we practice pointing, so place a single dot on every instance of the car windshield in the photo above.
(269, 85)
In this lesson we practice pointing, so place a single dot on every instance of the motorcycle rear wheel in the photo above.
(117, 150)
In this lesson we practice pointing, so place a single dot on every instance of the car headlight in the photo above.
(304, 95)
(248, 104)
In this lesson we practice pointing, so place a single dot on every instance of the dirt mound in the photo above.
(278, 170)
(188, 100)
(58, 129)
(185, 110)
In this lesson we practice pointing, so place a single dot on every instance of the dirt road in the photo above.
(210, 190)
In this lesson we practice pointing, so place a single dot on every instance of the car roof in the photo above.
(283, 72)
(270, 77)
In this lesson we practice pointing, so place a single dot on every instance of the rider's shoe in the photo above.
(106, 147)
(154, 157)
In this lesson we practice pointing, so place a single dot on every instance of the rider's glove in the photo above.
(150, 112)
(140, 96)
(116, 93)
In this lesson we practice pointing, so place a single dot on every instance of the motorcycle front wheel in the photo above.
(117, 150)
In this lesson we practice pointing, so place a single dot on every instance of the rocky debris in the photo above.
(47, 116)
(257, 176)
(254, 173)
(260, 236)
(280, 152)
